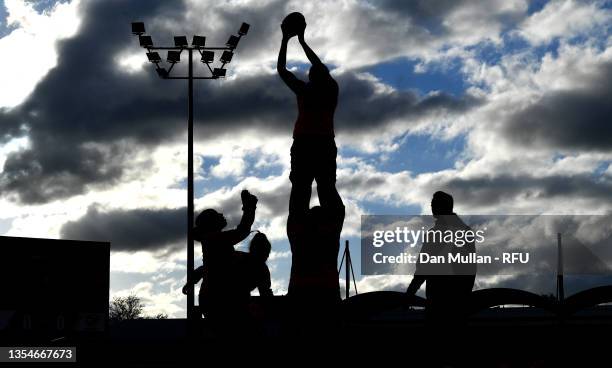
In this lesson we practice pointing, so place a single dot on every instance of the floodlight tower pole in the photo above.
(190, 196)
(207, 54)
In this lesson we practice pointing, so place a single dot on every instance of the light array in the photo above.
(181, 43)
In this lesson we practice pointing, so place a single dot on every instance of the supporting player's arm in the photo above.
(194, 278)
(289, 78)
(418, 279)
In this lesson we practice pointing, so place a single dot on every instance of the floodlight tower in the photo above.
(174, 56)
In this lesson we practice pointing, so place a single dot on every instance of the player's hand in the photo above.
(248, 200)
(188, 288)
(300, 32)
(287, 34)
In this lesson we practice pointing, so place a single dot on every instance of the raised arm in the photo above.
(235, 236)
(312, 57)
(289, 78)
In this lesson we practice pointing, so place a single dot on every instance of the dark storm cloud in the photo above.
(79, 112)
(432, 15)
(155, 229)
(578, 119)
(496, 191)
(361, 109)
(130, 230)
(58, 171)
(357, 183)
(86, 118)
(265, 101)
(265, 21)
(493, 191)
(426, 13)
(421, 9)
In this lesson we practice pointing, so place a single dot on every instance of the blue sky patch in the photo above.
(417, 154)
(536, 6)
(400, 74)
(5, 29)
(5, 225)
(45, 5)
(380, 208)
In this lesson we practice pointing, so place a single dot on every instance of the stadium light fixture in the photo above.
(198, 41)
(154, 57)
(219, 72)
(138, 28)
(232, 42)
(145, 41)
(208, 57)
(180, 41)
(174, 56)
(244, 29)
(226, 57)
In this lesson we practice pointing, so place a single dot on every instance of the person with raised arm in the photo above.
(252, 267)
(313, 152)
(220, 297)
(314, 233)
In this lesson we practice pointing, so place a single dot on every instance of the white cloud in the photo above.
(564, 18)
(382, 282)
(29, 51)
(151, 182)
(352, 33)
(131, 62)
(14, 145)
(279, 255)
(146, 262)
(230, 164)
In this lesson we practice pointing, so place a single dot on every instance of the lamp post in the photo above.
(174, 56)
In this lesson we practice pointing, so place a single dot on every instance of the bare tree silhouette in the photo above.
(125, 307)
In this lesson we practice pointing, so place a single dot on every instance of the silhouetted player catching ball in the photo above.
(314, 233)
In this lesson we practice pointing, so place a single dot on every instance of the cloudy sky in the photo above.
(505, 104)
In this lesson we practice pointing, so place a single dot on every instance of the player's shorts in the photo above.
(313, 158)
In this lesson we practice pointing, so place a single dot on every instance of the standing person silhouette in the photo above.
(313, 153)
(257, 273)
(314, 233)
(220, 298)
(448, 286)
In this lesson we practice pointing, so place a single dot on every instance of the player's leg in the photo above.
(325, 174)
(301, 177)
